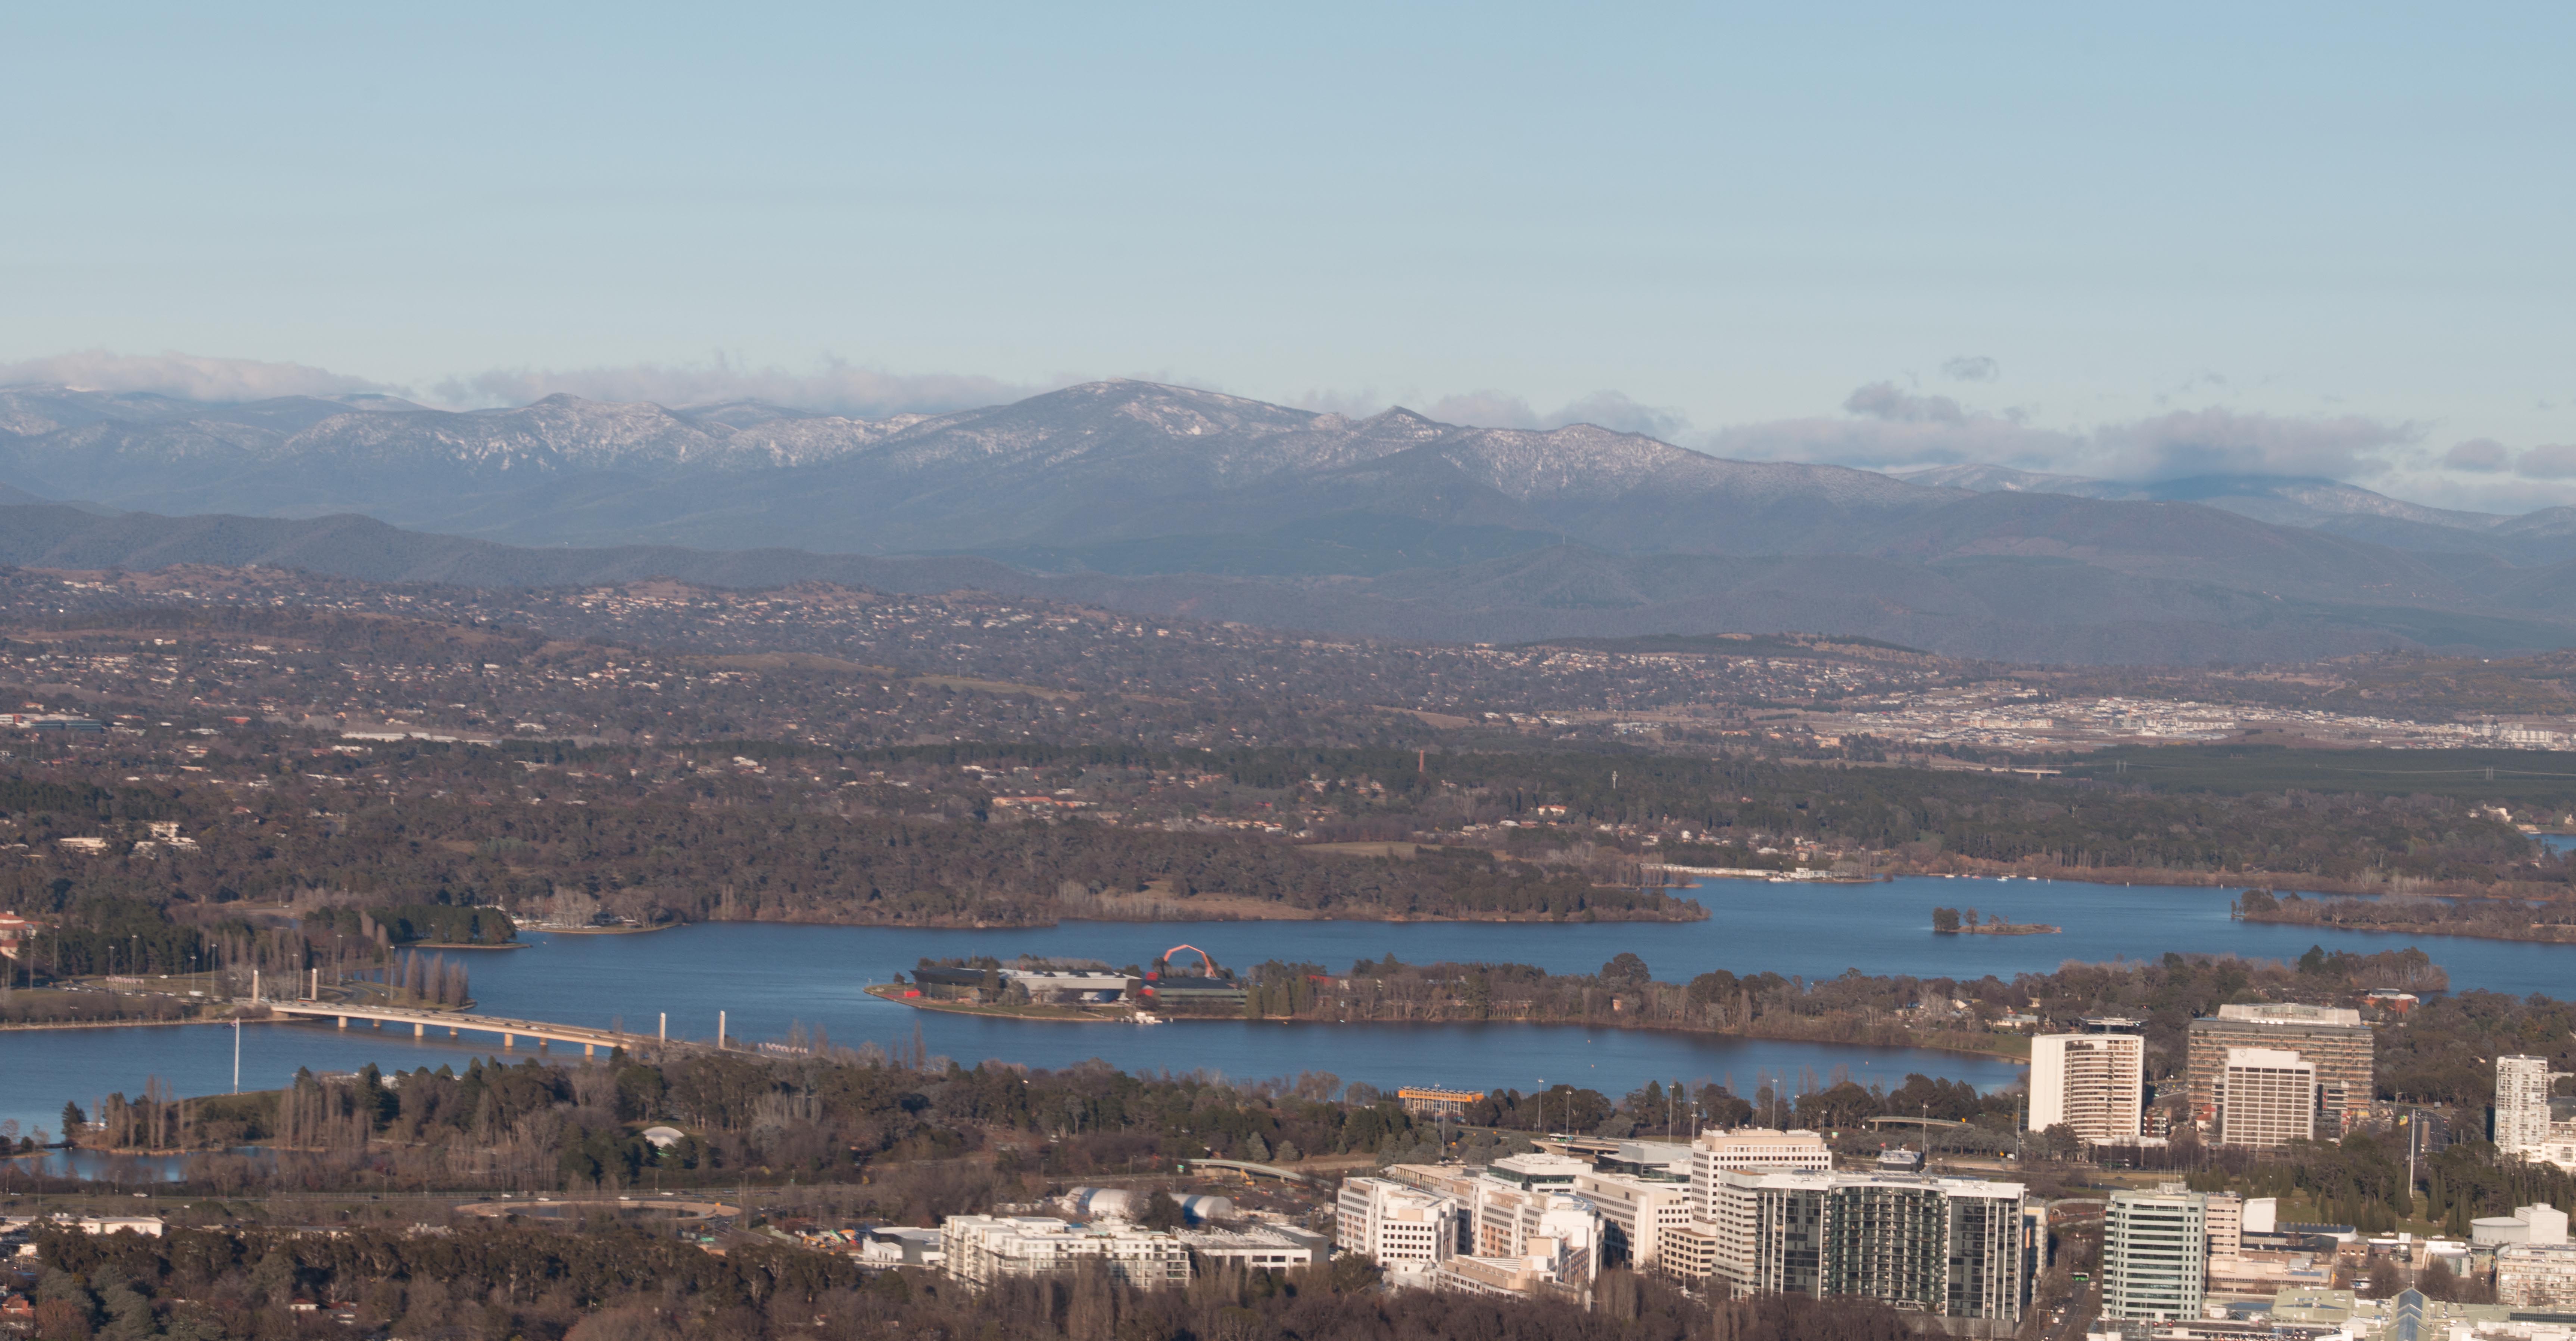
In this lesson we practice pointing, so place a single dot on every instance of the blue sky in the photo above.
(2140, 239)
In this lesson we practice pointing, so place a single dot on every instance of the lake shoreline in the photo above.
(56, 1026)
(1179, 911)
(2559, 935)
(888, 992)
(1969, 868)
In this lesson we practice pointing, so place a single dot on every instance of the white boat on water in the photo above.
(1143, 1017)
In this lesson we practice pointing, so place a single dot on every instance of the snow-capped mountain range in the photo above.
(1107, 461)
(1180, 500)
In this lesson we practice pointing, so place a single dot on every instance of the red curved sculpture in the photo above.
(1207, 962)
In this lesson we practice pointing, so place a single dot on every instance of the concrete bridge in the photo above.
(592, 1041)
(1247, 1168)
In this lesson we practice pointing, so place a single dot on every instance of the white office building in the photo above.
(1551, 1172)
(1550, 1271)
(2223, 1215)
(2528, 1224)
(2267, 1098)
(1753, 1150)
(1267, 1247)
(1637, 1214)
(2155, 1249)
(1505, 1220)
(982, 1249)
(1760, 1150)
(1394, 1225)
(2093, 1083)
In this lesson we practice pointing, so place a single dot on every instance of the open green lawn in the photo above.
(2516, 778)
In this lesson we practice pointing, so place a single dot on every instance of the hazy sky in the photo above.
(2145, 238)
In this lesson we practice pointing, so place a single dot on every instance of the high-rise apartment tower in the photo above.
(2521, 1104)
(2094, 1082)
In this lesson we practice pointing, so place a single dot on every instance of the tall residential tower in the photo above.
(2522, 1105)
(2093, 1081)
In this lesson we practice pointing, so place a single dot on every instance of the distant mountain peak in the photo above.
(1399, 415)
(1982, 478)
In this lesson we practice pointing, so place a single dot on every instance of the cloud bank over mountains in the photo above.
(183, 376)
(837, 387)
(1883, 425)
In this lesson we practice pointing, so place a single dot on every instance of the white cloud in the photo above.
(2555, 462)
(183, 376)
(1613, 410)
(2478, 455)
(1348, 404)
(1890, 426)
(2226, 442)
(2498, 493)
(836, 387)
(1896, 405)
(1972, 368)
(1484, 409)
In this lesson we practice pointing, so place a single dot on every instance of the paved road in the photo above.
(2087, 1303)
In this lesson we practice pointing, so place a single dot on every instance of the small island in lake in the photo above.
(1955, 922)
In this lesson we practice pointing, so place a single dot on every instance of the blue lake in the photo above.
(767, 977)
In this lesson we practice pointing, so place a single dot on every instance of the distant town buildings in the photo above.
(2333, 1041)
(53, 722)
(1740, 1210)
(2010, 720)
(2092, 1082)
(1512, 1227)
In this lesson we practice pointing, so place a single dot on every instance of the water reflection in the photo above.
(115, 1170)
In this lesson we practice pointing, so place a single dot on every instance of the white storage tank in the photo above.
(1201, 1209)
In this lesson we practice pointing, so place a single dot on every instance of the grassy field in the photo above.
(2516, 778)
